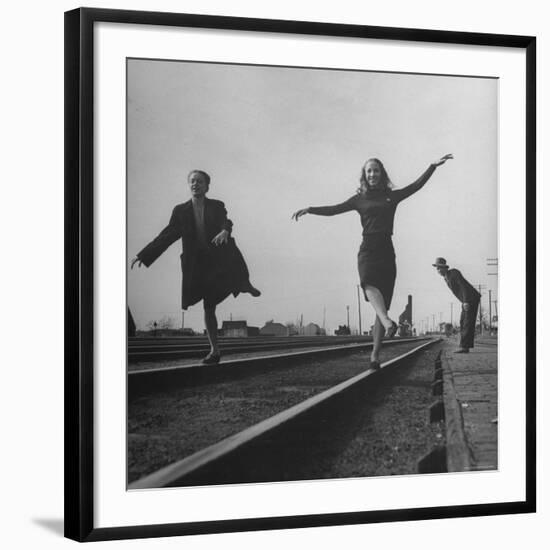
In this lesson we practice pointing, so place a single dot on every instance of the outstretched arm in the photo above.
(421, 181)
(332, 210)
(157, 246)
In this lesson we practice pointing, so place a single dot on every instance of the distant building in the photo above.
(342, 330)
(405, 329)
(405, 319)
(274, 329)
(235, 329)
(292, 329)
(312, 330)
(253, 331)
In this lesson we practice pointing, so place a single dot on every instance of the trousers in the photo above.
(468, 325)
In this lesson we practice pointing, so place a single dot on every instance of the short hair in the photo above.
(202, 172)
(386, 181)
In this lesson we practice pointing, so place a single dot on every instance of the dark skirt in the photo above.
(376, 264)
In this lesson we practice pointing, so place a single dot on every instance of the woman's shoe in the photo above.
(211, 359)
(251, 290)
(374, 365)
(390, 332)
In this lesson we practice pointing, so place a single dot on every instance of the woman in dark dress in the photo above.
(376, 203)
(212, 266)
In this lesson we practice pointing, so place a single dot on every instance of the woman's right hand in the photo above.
(299, 213)
(443, 160)
(134, 261)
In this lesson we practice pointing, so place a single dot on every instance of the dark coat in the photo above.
(461, 288)
(231, 269)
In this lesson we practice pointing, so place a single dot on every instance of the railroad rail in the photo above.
(152, 349)
(146, 381)
(244, 449)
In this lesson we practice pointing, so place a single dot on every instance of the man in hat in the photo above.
(469, 297)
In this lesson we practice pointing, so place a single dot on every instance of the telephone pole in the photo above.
(492, 263)
(490, 314)
(452, 314)
(359, 309)
(480, 312)
(347, 309)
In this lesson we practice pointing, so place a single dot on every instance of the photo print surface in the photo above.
(312, 264)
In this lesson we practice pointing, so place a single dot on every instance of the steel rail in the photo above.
(145, 381)
(173, 474)
(184, 340)
(191, 350)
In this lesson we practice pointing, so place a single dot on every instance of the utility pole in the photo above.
(452, 314)
(433, 322)
(492, 263)
(359, 309)
(480, 314)
(490, 314)
(324, 316)
(182, 320)
(347, 309)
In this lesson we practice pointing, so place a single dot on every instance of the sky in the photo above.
(277, 139)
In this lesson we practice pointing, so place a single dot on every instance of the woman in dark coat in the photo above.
(212, 266)
(376, 203)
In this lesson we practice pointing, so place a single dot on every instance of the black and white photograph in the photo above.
(312, 273)
(273, 275)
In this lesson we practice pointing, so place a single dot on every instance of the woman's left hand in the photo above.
(443, 160)
(221, 238)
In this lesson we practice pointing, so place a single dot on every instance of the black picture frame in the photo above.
(79, 268)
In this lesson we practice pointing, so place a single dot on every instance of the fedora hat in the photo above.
(440, 262)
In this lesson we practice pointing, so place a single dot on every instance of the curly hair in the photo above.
(385, 179)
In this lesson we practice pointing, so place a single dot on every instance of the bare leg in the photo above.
(377, 334)
(377, 300)
(211, 324)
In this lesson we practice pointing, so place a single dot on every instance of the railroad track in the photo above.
(149, 349)
(265, 450)
(152, 380)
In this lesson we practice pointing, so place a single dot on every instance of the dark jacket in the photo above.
(460, 287)
(182, 226)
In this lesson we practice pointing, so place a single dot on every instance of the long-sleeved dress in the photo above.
(376, 257)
